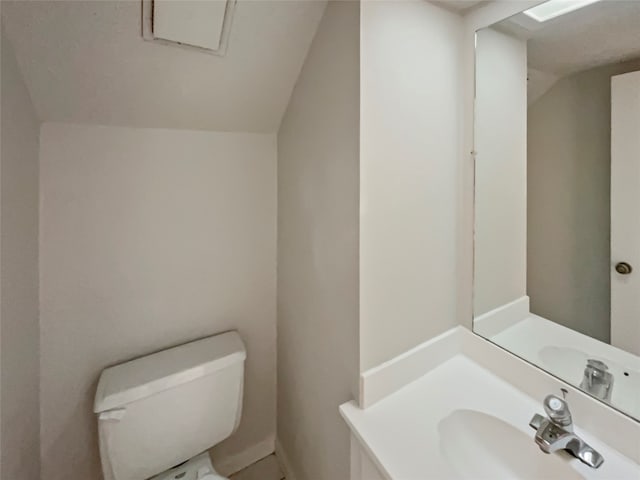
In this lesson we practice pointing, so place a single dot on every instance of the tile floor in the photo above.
(266, 469)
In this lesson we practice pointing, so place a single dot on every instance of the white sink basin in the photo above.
(480, 446)
(460, 421)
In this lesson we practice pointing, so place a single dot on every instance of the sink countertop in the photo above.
(400, 432)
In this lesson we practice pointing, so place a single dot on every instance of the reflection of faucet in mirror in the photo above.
(597, 381)
(556, 432)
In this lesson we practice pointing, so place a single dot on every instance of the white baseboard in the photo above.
(388, 377)
(285, 463)
(235, 463)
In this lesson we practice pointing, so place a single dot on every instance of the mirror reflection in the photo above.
(557, 200)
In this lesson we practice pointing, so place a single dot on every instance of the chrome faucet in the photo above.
(596, 380)
(556, 432)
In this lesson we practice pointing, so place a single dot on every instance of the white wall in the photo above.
(150, 238)
(19, 420)
(501, 170)
(409, 152)
(481, 17)
(569, 163)
(318, 251)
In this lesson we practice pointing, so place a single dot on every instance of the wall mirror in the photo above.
(557, 193)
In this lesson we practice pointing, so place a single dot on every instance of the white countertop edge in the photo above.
(400, 434)
(344, 413)
(614, 428)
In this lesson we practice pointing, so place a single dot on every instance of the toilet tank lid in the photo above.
(145, 376)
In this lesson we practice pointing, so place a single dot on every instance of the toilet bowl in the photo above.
(157, 413)
(198, 468)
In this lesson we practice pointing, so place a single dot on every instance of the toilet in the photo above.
(159, 414)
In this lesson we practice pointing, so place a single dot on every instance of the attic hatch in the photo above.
(194, 24)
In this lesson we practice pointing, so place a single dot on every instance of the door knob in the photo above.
(623, 268)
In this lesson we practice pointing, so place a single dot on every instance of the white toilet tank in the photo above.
(162, 409)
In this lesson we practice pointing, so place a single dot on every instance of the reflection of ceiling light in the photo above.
(555, 8)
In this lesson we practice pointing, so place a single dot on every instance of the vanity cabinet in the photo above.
(362, 466)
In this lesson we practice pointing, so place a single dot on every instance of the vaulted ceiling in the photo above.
(600, 34)
(86, 62)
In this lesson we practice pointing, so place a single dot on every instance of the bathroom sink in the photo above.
(480, 446)
(461, 421)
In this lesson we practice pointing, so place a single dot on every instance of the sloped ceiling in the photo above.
(86, 62)
(599, 34)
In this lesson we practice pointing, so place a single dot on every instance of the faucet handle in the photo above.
(597, 365)
(558, 411)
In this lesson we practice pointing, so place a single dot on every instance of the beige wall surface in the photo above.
(409, 153)
(569, 174)
(19, 420)
(318, 251)
(151, 238)
(500, 250)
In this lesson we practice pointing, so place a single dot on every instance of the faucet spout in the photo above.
(597, 380)
(555, 432)
(580, 449)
